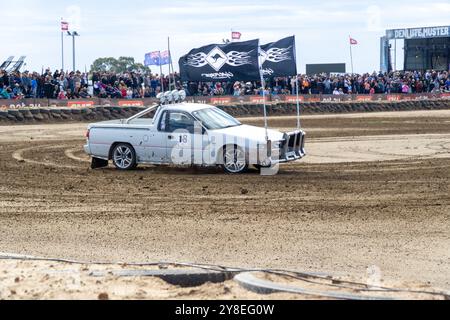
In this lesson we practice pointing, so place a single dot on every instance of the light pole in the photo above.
(73, 34)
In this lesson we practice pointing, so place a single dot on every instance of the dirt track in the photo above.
(374, 191)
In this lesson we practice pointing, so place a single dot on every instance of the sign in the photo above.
(80, 104)
(328, 68)
(418, 33)
(278, 58)
(393, 97)
(235, 61)
(363, 98)
(257, 100)
(293, 99)
(131, 103)
(225, 100)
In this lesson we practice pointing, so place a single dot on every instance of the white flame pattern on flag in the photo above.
(233, 58)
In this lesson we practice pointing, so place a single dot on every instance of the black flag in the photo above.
(278, 59)
(236, 61)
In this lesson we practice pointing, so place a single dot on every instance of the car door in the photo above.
(180, 129)
(156, 143)
(184, 142)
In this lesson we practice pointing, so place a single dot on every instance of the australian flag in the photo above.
(157, 58)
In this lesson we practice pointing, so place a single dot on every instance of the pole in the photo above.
(62, 46)
(160, 73)
(168, 49)
(62, 50)
(351, 53)
(395, 54)
(171, 65)
(298, 103)
(73, 41)
(263, 85)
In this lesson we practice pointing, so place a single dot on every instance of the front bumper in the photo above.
(291, 148)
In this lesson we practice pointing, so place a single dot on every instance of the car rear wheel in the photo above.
(124, 157)
(234, 160)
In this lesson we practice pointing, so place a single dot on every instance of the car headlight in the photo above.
(276, 144)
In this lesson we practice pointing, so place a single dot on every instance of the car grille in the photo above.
(292, 146)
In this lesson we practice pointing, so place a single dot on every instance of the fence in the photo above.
(219, 100)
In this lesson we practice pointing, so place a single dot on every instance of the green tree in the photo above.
(123, 64)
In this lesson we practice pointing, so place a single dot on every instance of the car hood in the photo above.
(251, 132)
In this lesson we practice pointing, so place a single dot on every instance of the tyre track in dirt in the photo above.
(325, 214)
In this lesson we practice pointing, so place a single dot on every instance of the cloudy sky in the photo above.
(134, 27)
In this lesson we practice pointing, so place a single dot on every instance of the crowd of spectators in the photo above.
(56, 85)
(130, 85)
(375, 83)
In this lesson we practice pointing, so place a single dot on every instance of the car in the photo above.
(182, 133)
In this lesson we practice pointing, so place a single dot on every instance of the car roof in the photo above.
(188, 107)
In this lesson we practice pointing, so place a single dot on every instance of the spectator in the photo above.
(133, 85)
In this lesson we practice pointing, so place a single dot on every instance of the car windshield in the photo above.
(214, 118)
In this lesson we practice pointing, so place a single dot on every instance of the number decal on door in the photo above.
(184, 139)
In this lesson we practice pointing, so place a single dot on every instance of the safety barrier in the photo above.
(220, 100)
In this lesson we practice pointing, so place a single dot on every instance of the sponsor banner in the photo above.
(393, 97)
(293, 99)
(235, 61)
(26, 103)
(278, 58)
(258, 99)
(131, 103)
(419, 33)
(220, 101)
(80, 104)
(362, 98)
(312, 99)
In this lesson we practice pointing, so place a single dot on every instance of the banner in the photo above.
(165, 58)
(236, 35)
(152, 59)
(6, 105)
(64, 26)
(418, 33)
(278, 59)
(157, 58)
(236, 61)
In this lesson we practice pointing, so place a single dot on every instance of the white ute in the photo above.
(183, 133)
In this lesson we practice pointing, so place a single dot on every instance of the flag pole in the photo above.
(351, 52)
(171, 66)
(298, 102)
(161, 72)
(62, 46)
(297, 91)
(263, 85)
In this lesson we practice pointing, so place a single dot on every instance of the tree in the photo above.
(123, 64)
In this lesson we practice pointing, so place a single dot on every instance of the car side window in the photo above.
(180, 121)
(163, 122)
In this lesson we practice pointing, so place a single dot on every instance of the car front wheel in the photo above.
(234, 160)
(124, 157)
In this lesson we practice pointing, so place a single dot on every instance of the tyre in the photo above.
(124, 157)
(234, 160)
